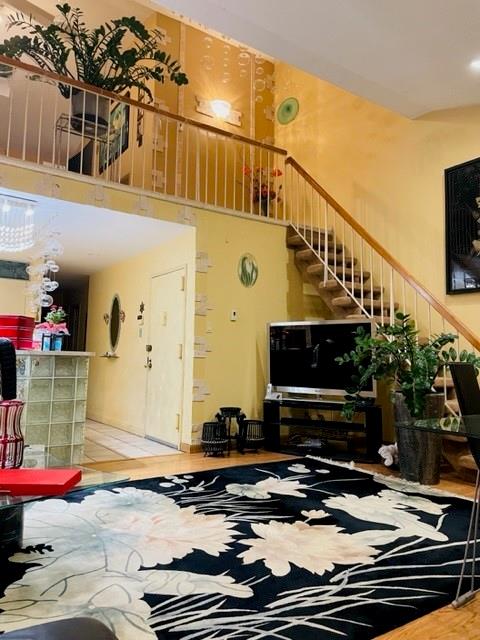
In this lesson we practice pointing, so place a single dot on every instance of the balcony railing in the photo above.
(118, 140)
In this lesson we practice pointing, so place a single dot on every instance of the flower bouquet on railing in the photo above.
(263, 186)
(50, 332)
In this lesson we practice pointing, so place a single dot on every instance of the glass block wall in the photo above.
(54, 388)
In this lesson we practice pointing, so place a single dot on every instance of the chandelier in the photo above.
(16, 224)
(43, 273)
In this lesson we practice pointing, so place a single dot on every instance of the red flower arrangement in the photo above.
(262, 182)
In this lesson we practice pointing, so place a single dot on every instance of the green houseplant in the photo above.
(410, 365)
(116, 56)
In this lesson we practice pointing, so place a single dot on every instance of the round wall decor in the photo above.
(247, 270)
(287, 110)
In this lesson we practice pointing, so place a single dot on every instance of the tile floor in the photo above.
(104, 443)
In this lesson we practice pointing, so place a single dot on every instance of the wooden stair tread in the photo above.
(360, 315)
(368, 303)
(332, 285)
(467, 462)
(309, 254)
(444, 381)
(453, 404)
(317, 268)
(452, 438)
(295, 239)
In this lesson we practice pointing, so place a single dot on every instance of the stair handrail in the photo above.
(392, 261)
(144, 106)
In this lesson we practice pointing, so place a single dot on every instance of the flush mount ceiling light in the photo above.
(17, 224)
(475, 65)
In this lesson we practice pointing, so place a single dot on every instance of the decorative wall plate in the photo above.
(287, 110)
(247, 270)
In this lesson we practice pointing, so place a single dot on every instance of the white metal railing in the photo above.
(115, 139)
(368, 280)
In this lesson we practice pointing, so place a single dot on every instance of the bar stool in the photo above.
(225, 416)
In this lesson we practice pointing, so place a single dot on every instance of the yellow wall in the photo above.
(13, 300)
(117, 387)
(234, 370)
(386, 170)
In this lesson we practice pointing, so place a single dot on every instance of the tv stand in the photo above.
(336, 429)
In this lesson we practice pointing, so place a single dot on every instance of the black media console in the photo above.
(321, 429)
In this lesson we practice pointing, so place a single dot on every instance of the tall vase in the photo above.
(11, 439)
(264, 206)
(419, 452)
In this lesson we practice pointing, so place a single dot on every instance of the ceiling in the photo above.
(93, 238)
(411, 56)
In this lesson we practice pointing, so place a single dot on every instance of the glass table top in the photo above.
(468, 426)
(90, 478)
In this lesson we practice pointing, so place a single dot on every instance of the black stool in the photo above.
(225, 416)
(214, 438)
(251, 435)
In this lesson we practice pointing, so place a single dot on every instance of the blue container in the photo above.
(56, 342)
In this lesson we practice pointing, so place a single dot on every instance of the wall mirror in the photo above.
(114, 326)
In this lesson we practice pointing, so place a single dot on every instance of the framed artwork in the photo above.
(462, 227)
(247, 270)
(119, 131)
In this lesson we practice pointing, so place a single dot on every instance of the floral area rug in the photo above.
(299, 549)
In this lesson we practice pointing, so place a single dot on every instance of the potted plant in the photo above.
(53, 329)
(118, 55)
(410, 365)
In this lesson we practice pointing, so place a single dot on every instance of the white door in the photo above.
(165, 360)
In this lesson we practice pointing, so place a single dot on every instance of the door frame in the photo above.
(183, 267)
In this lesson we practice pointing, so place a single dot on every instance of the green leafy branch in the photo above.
(95, 56)
(397, 355)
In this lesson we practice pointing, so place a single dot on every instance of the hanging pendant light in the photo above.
(16, 224)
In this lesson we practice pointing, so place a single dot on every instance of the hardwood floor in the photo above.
(444, 624)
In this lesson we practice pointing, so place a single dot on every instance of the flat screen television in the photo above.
(302, 357)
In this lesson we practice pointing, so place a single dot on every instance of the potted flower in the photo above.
(118, 55)
(410, 366)
(53, 329)
(262, 184)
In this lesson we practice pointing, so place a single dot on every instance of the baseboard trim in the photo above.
(190, 448)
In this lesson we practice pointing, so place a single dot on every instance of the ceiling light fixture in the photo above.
(16, 224)
(475, 65)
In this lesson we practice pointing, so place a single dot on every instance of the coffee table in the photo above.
(469, 427)
(12, 507)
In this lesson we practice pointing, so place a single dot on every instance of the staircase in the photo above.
(356, 277)
(339, 293)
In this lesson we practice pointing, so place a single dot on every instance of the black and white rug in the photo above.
(300, 549)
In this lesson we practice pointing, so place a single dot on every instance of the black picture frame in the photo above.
(117, 140)
(462, 227)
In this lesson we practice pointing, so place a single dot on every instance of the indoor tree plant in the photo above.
(410, 365)
(118, 55)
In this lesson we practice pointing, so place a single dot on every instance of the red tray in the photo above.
(38, 482)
